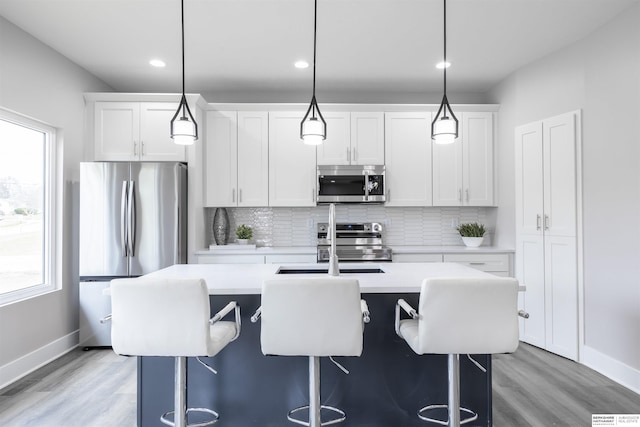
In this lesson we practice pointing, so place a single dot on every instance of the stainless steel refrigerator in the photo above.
(133, 218)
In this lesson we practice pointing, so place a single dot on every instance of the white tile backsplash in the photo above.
(422, 226)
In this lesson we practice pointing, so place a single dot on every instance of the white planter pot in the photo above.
(242, 241)
(472, 242)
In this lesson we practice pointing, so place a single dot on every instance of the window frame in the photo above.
(51, 213)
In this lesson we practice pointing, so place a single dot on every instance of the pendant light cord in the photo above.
(315, 25)
(445, 47)
(182, 26)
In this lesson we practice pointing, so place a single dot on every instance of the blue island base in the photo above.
(386, 386)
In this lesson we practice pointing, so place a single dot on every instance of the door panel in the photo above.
(530, 273)
(160, 211)
(447, 174)
(477, 161)
(529, 185)
(253, 159)
(560, 175)
(561, 296)
(101, 244)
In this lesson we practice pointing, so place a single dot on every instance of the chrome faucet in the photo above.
(334, 270)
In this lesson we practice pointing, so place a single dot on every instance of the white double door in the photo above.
(546, 232)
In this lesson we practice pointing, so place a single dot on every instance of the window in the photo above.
(27, 195)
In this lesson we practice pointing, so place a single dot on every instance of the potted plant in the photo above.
(243, 233)
(472, 233)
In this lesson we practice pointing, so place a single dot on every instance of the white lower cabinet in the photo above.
(498, 264)
(306, 258)
(291, 259)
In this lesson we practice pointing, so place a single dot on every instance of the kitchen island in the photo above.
(386, 385)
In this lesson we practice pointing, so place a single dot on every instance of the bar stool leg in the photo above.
(179, 393)
(454, 389)
(314, 392)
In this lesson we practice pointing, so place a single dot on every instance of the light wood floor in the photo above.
(97, 388)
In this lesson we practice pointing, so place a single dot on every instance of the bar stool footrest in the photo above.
(341, 413)
(215, 415)
(473, 416)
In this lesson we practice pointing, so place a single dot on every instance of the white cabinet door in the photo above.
(367, 138)
(561, 295)
(408, 159)
(221, 163)
(253, 159)
(447, 174)
(528, 179)
(292, 164)
(477, 158)
(156, 144)
(336, 149)
(530, 273)
(117, 131)
(560, 175)
(463, 171)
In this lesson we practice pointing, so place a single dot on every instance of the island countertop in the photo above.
(246, 279)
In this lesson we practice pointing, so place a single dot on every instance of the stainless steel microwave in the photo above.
(351, 184)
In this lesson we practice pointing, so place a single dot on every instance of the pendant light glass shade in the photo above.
(444, 128)
(313, 128)
(184, 129)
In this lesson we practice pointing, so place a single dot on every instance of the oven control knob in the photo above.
(376, 227)
(322, 228)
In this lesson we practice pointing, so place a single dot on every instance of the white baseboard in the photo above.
(28, 363)
(614, 369)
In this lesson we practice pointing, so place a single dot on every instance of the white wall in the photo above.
(600, 75)
(38, 82)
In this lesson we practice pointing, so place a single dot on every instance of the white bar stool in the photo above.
(460, 316)
(314, 318)
(170, 318)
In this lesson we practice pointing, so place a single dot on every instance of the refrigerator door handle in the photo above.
(123, 222)
(131, 216)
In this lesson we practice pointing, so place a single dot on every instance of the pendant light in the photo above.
(313, 128)
(184, 129)
(444, 128)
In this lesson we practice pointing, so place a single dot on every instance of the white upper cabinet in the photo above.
(353, 139)
(135, 131)
(237, 159)
(408, 159)
(292, 164)
(463, 171)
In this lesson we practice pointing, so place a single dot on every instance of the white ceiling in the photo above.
(244, 48)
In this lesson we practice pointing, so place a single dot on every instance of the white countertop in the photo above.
(229, 279)
(311, 250)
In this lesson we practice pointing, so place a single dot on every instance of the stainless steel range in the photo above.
(354, 242)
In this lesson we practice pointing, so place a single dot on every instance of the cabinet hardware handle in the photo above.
(240, 195)
(538, 222)
(348, 155)
(546, 222)
(388, 194)
(142, 148)
(523, 314)
(477, 263)
(460, 194)
(135, 148)
(354, 154)
(313, 195)
(467, 194)
(233, 195)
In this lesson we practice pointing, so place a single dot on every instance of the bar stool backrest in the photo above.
(468, 315)
(160, 317)
(311, 317)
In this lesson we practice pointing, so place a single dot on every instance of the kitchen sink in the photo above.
(345, 270)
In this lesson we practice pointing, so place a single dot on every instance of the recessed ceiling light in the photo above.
(441, 65)
(157, 63)
(301, 64)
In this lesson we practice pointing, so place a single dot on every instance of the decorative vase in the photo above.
(221, 226)
(472, 242)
